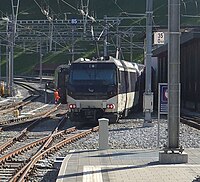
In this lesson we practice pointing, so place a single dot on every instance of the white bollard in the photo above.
(103, 133)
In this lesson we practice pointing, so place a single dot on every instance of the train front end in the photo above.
(92, 91)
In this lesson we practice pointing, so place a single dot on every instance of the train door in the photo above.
(122, 91)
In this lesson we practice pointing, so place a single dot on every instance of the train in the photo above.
(102, 88)
(60, 81)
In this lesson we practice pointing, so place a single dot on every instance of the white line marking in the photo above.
(65, 163)
(153, 166)
(92, 174)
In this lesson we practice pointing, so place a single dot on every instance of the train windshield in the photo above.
(105, 76)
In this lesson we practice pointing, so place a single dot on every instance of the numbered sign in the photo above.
(159, 38)
(74, 21)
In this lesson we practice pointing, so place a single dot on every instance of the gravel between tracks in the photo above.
(130, 134)
(127, 134)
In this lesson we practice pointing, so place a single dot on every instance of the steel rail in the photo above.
(193, 122)
(33, 144)
(22, 174)
(24, 132)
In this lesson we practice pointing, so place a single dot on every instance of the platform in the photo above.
(127, 165)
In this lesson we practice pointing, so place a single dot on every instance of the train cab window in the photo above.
(86, 76)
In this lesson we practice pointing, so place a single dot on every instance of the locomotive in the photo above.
(104, 87)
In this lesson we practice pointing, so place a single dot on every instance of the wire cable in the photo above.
(69, 5)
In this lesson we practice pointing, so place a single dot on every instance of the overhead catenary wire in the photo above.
(36, 31)
(66, 46)
(69, 4)
(76, 9)
(46, 13)
(85, 13)
(115, 2)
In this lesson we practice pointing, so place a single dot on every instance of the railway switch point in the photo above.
(103, 133)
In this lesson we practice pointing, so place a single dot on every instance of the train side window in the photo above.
(127, 80)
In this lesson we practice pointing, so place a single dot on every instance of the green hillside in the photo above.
(31, 9)
(59, 9)
(69, 9)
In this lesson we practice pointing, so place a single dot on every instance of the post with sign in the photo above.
(162, 104)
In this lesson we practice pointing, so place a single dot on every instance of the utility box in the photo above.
(148, 102)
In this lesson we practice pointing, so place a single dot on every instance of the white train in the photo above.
(99, 88)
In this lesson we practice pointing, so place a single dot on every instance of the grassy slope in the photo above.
(30, 10)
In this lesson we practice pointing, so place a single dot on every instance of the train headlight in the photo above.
(110, 106)
(72, 106)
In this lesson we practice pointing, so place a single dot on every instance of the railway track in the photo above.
(22, 162)
(10, 118)
(4, 125)
(20, 154)
(14, 168)
(24, 132)
(10, 106)
(193, 121)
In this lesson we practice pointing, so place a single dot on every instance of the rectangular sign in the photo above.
(163, 98)
(159, 38)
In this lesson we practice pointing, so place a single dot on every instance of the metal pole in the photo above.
(47, 45)
(55, 47)
(172, 153)
(51, 35)
(7, 60)
(41, 63)
(148, 95)
(11, 56)
(37, 44)
(72, 43)
(0, 60)
(158, 139)
(84, 7)
(95, 40)
(15, 8)
(24, 46)
(105, 37)
(131, 47)
(117, 40)
(173, 73)
(45, 93)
